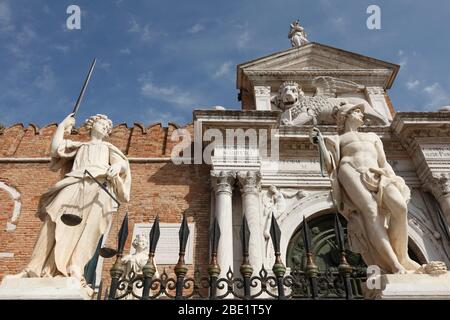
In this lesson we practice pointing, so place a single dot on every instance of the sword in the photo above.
(83, 89)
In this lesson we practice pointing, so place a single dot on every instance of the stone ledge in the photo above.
(411, 286)
(43, 289)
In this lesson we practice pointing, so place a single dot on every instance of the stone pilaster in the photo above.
(262, 97)
(223, 182)
(377, 99)
(250, 182)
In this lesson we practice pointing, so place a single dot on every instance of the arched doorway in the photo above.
(324, 247)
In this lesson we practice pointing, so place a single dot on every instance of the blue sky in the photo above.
(159, 60)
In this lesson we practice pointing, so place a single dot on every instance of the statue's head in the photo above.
(273, 189)
(350, 112)
(140, 243)
(99, 125)
(289, 94)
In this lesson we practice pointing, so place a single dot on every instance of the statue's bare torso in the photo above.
(359, 149)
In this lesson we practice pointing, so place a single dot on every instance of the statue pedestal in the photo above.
(60, 288)
(411, 286)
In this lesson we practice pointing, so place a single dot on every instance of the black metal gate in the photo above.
(306, 283)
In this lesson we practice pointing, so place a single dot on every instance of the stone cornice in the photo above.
(236, 115)
(411, 126)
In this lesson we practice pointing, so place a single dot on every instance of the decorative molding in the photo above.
(262, 91)
(375, 90)
(15, 196)
(371, 73)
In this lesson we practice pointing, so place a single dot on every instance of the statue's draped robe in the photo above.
(61, 248)
(375, 180)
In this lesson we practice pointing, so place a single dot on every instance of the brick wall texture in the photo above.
(158, 187)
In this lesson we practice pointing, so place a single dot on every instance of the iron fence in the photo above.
(343, 282)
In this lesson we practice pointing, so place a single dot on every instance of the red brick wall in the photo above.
(157, 188)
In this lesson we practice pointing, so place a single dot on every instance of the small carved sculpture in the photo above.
(275, 202)
(136, 261)
(297, 34)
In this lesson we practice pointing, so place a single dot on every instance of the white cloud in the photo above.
(5, 17)
(153, 115)
(339, 23)
(243, 39)
(223, 70)
(171, 94)
(134, 26)
(21, 41)
(145, 32)
(412, 84)
(61, 48)
(104, 65)
(437, 95)
(196, 28)
(403, 58)
(46, 9)
(46, 80)
(125, 51)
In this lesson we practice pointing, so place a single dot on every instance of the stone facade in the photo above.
(239, 178)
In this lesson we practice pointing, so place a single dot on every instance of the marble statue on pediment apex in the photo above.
(368, 193)
(62, 250)
(297, 34)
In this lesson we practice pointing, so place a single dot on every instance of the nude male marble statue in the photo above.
(367, 192)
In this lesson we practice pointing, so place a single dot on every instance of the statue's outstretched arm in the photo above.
(65, 126)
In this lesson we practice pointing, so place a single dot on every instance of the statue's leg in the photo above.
(88, 241)
(398, 228)
(350, 179)
(42, 260)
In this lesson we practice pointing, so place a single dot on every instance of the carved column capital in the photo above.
(439, 185)
(374, 90)
(223, 181)
(250, 181)
(262, 90)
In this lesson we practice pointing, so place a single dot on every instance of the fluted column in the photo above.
(223, 186)
(250, 182)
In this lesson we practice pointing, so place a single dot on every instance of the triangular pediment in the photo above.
(316, 59)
